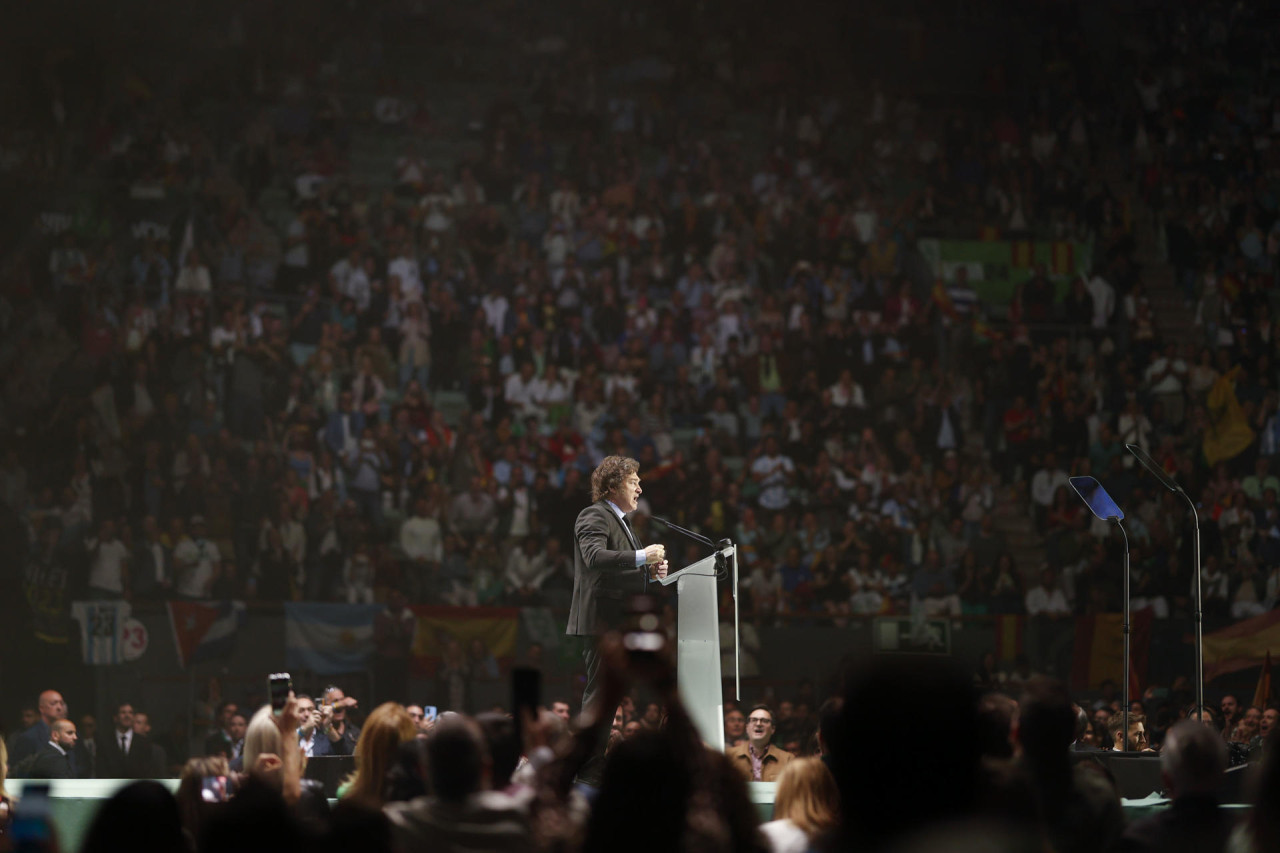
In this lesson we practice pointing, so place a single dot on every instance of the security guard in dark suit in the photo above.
(54, 759)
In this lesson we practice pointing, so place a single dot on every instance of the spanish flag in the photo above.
(1241, 646)
(1099, 650)
(497, 628)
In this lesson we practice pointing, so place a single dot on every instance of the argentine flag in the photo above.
(329, 639)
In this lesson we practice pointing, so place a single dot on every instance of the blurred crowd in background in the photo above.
(354, 300)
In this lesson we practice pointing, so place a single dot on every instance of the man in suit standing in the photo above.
(54, 759)
(609, 563)
(51, 708)
(122, 753)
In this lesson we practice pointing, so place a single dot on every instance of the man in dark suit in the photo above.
(609, 563)
(122, 752)
(51, 708)
(54, 759)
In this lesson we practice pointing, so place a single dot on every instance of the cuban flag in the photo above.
(329, 639)
(204, 630)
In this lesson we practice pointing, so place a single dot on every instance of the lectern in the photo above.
(698, 641)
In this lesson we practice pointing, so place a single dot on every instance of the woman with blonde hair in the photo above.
(269, 754)
(806, 805)
(261, 737)
(386, 728)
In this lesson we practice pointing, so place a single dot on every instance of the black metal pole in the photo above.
(1124, 736)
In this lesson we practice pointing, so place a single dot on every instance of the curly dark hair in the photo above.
(611, 473)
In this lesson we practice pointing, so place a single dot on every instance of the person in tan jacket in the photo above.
(756, 758)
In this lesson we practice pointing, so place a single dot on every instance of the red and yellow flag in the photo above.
(1242, 645)
(1099, 650)
(498, 628)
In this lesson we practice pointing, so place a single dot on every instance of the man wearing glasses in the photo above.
(757, 758)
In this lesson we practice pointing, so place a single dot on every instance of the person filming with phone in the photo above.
(317, 735)
(347, 731)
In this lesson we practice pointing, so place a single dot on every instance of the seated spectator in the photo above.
(806, 805)
(758, 759)
(934, 586)
(1192, 764)
(735, 727)
(1047, 599)
(1137, 740)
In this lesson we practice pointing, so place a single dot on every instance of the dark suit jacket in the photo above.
(604, 571)
(218, 743)
(29, 742)
(321, 745)
(114, 764)
(51, 763)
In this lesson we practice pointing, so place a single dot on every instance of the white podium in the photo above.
(698, 642)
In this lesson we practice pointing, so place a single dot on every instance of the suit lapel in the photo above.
(626, 529)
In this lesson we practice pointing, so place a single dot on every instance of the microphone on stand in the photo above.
(1157, 471)
(697, 537)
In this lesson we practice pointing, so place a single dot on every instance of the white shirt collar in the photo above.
(616, 509)
(57, 746)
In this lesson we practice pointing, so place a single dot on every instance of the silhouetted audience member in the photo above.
(1077, 810)
(503, 743)
(1191, 768)
(884, 798)
(461, 813)
(141, 817)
